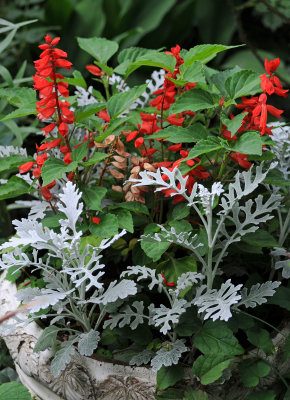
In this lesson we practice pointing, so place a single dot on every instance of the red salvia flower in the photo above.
(93, 69)
(26, 167)
(170, 284)
(50, 85)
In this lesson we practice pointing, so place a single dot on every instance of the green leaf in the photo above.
(13, 188)
(96, 158)
(188, 323)
(260, 238)
(107, 227)
(14, 391)
(234, 124)
(281, 297)
(125, 220)
(93, 196)
(209, 368)
(170, 394)
(243, 83)
(195, 100)
(174, 267)
(168, 376)
(133, 206)
(155, 59)
(85, 112)
(23, 111)
(180, 211)
(177, 134)
(18, 96)
(77, 80)
(275, 177)
(249, 143)
(79, 152)
(252, 370)
(193, 73)
(286, 348)
(154, 250)
(204, 53)
(53, 168)
(192, 394)
(100, 49)
(8, 39)
(11, 275)
(219, 79)
(259, 337)
(53, 221)
(47, 339)
(265, 395)
(13, 161)
(122, 101)
(128, 56)
(204, 146)
(217, 338)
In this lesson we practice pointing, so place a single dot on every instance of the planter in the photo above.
(89, 379)
(84, 378)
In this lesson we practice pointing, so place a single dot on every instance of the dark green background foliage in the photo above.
(263, 25)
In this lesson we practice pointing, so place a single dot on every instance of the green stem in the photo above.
(261, 320)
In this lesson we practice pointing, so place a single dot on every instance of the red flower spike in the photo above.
(70, 176)
(170, 284)
(50, 85)
(96, 220)
(26, 167)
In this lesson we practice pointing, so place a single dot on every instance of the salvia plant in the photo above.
(158, 213)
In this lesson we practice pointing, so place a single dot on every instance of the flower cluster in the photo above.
(51, 87)
(257, 109)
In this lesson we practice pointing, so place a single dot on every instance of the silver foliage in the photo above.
(145, 273)
(245, 183)
(169, 354)
(188, 279)
(88, 342)
(163, 316)
(129, 315)
(257, 294)
(116, 291)
(216, 304)
(142, 358)
(184, 239)
(284, 264)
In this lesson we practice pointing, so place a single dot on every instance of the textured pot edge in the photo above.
(83, 376)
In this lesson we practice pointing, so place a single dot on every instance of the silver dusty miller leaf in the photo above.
(257, 294)
(216, 304)
(116, 291)
(169, 354)
(129, 315)
(145, 273)
(142, 358)
(163, 317)
(88, 342)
